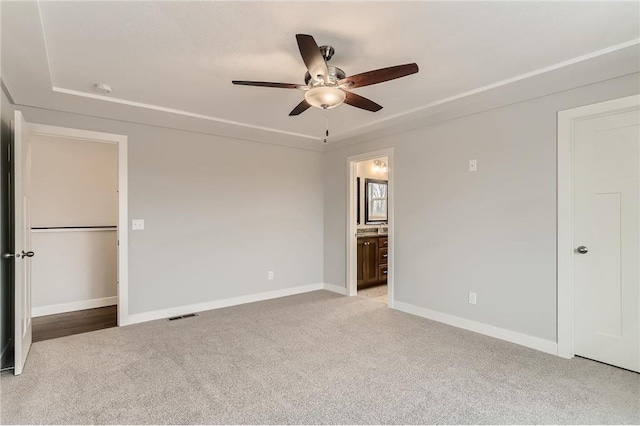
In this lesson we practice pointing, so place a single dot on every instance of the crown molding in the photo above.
(384, 125)
(6, 92)
(180, 112)
(607, 64)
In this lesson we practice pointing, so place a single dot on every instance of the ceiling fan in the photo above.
(326, 86)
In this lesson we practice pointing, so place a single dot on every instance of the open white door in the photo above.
(22, 240)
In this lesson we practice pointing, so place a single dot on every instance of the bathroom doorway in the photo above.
(369, 235)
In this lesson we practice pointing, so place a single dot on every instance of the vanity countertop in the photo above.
(371, 234)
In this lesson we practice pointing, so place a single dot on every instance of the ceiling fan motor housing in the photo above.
(335, 75)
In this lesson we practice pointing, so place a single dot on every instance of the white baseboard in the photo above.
(537, 343)
(216, 304)
(335, 289)
(73, 306)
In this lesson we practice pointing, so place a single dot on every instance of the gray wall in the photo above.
(492, 232)
(6, 286)
(219, 213)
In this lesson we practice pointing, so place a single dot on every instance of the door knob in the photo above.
(582, 250)
(11, 255)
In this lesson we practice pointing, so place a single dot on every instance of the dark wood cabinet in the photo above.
(372, 261)
(383, 255)
(367, 261)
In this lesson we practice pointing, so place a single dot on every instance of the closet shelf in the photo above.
(74, 228)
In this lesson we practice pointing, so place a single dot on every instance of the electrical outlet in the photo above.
(137, 225)
(473, 165)
(270, 275)
(472, 298)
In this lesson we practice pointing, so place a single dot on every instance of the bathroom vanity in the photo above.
(372, 260)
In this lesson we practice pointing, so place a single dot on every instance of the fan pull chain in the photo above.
(326, 134)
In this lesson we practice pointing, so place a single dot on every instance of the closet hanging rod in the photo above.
(74, 227)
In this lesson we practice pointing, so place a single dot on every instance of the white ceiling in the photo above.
(182, 56)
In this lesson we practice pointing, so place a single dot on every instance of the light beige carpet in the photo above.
(311, 358)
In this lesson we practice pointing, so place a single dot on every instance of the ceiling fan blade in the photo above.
(300, 108)
(312, 57)
(379, 76)
(266, 84)
(361, 102)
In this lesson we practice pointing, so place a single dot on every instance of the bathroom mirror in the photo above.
(375, 201)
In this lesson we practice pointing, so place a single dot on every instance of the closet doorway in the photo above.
(69, 208)
(74, 216)
(370, 227)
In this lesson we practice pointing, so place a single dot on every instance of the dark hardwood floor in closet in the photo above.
(60, 325)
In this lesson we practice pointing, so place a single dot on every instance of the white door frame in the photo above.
(123, 209)
(352, 270)
(565, 249)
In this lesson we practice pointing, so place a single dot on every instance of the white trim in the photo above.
(73, 306)
(123, 232)
(532, 342)
(123, 209)
(565, 253)
(335, 289)
(222, 303)
(69, 133)
(351, 278)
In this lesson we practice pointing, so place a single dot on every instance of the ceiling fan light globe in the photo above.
(325, 97)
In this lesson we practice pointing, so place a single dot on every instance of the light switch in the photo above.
(473, 165)
(137, 224)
